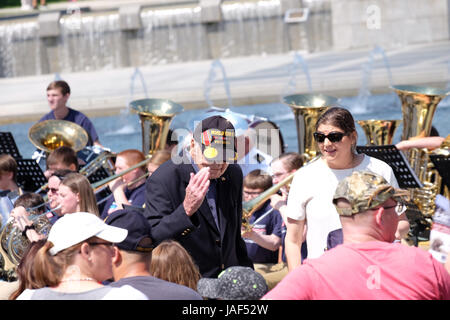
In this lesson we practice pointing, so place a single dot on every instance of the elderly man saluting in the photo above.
(196, 199)
(368, 265)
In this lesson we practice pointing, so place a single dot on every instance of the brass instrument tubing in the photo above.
(97, 185)
(128, 184)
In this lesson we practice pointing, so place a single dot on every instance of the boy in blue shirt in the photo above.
(264, 240)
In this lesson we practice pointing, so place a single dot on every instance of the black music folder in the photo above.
(30, 176)
(406, 177)
(99, 175)
(442, 164)
(8, 145)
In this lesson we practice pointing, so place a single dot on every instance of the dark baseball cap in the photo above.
(216, 135)
(139, 230)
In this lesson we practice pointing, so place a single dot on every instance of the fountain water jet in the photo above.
(209, 82)
(293, 70)
(360, 105)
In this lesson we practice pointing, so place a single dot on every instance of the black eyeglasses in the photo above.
(332, 136)
(400, 207)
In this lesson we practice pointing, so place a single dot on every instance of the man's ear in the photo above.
(117, 257)
(85, 251)
(192, 144)
(379, 215)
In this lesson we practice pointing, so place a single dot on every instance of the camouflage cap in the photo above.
(364, 190)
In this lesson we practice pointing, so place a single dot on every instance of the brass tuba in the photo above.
(307, 109)
(379, 132)
(155, 116)
(418, 107)
(51, 134)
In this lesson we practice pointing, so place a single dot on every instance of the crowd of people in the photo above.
(173, 229)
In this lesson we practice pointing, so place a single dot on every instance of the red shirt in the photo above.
(367, 271)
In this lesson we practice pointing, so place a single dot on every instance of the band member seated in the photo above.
(9, 190)
(58, 93)
(129, 189)
(285, 165)
(196, 199)
(61, 158)
(28, 204)
(21, 212)
(263, 239)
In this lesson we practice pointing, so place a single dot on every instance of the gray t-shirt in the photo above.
(103, 293)
(157, 289)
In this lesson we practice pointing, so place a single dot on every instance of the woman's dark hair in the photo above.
(337, 117)
(434, 132)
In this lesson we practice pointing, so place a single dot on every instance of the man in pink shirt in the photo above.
(368, 265)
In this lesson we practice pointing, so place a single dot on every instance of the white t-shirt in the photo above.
(103, 293)
(311, 197)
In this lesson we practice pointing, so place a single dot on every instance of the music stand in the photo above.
(406, 177)
(8, 145)
(442, 164)
(30, 176)
(99, 175)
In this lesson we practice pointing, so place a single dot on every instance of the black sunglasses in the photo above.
(332, 136)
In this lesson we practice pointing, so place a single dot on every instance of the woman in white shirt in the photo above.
(313, 186)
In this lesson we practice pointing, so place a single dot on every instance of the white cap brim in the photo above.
(74, 228)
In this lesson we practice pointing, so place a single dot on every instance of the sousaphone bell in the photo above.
(155, 116)
(379, 132)
(307, 109)
(49, 135)
(419, 104)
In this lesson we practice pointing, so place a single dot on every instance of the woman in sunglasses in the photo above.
(313, 186)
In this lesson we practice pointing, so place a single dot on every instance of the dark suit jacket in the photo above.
(211, 249)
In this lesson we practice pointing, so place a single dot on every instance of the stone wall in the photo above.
(388, 23)
(157, 32)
